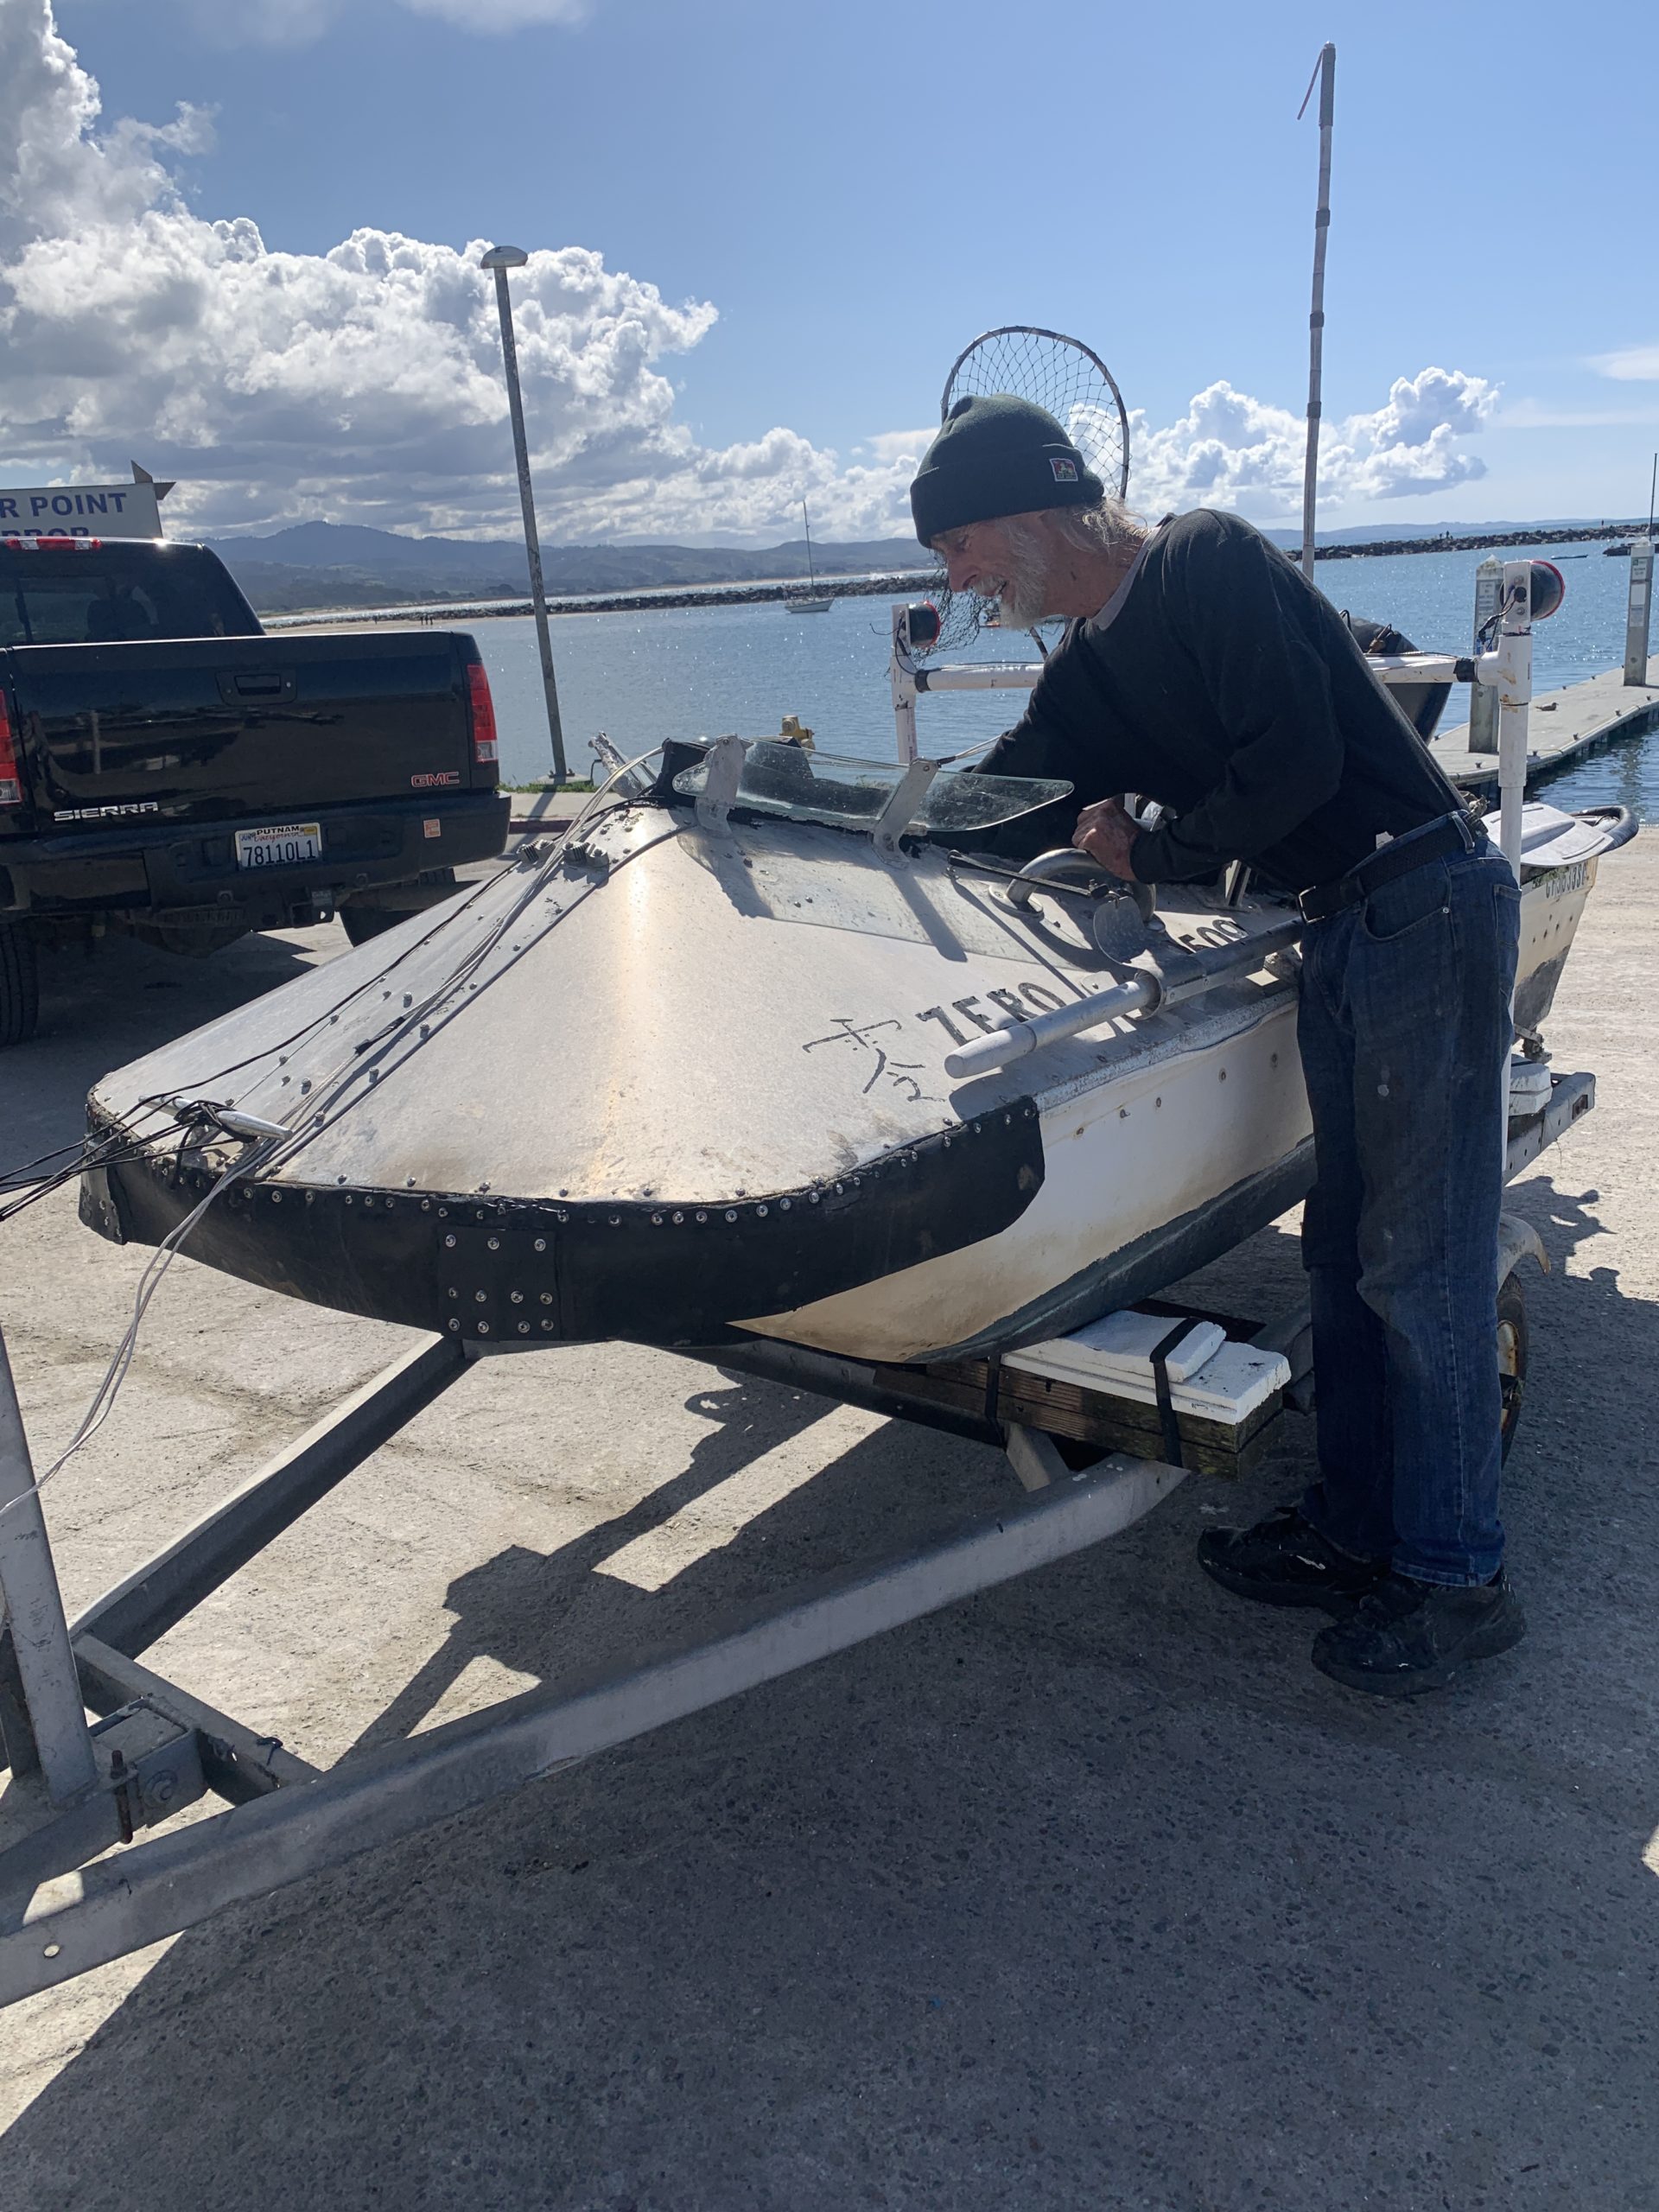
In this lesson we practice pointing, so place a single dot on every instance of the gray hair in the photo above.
(1102, 528)
(1106, 527)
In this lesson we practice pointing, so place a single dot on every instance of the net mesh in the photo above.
(1075, 385)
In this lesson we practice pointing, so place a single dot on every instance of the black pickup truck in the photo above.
(167, 769)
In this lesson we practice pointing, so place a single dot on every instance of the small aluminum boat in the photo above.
(766, 1049)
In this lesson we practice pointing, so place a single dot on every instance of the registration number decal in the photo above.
(284, 845)
(1561, 881)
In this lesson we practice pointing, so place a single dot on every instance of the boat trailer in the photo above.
(1091, 1460)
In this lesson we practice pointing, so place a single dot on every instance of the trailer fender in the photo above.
(1518, 1240)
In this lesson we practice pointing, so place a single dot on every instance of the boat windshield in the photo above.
(782, 779)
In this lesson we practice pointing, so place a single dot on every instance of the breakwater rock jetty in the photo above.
(1481, 542)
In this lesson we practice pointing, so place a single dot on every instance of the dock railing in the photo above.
(1505, 670)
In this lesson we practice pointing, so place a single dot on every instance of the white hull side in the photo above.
(1121, 1166)
(1123, 1158)
(1552, 906)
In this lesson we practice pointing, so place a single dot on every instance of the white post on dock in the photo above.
(1513, 687)
(1483, 704)
(1638, 613)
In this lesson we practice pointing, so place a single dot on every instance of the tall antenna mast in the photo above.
(1325, 75)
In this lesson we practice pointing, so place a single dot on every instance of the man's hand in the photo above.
(1106, 832)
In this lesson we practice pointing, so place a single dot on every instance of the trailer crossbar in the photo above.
(139, 1611)
(86, 1918)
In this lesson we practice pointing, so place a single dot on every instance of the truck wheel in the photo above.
(20, 986)
(361, 923)
(1511, 1355)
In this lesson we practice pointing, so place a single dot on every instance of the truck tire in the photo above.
(362, 919)
(361, 923)
(1511, 1354)
(20, 986)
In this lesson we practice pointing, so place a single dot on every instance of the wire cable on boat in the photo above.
(116, 1150)
(13, 1178)
(459, 974)
(105, 1151)
(150, 1283)
(269, 1151)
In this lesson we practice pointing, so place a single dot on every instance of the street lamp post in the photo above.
(500, 259)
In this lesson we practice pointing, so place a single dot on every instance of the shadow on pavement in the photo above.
(100, 1010)
(1089, 1891)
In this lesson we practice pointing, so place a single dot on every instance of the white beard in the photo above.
(1023, 601)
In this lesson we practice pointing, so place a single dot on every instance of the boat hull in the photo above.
(682, 1083)
(509, 1272)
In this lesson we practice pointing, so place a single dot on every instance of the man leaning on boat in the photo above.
(1200, 669)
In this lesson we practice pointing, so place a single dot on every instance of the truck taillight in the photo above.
(11, 777)
(483, 707)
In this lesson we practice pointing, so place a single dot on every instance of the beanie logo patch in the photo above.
(1065, 472)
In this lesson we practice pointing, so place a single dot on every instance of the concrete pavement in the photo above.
(1088, 1892)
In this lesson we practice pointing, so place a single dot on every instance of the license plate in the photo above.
(284, 846)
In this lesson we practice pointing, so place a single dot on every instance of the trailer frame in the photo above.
(79, 1788)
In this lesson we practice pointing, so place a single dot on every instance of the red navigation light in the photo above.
(1549, 589)
(11, 778)
(483, 707)
(922, 626)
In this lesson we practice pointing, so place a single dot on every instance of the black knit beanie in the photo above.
(995, 455)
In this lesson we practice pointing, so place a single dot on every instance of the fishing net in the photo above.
(1074, 384)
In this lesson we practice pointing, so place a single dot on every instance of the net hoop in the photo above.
(1071, 380)
(1117, 465)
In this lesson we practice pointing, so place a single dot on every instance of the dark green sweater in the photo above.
(1225, 685)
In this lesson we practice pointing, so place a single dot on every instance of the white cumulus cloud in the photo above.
(1229, 450)
(365, 383)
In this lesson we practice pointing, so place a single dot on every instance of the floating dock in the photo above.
(1562, 725)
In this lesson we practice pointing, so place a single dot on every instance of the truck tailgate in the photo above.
(206, 729)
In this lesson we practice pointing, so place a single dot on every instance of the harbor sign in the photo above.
(81, 511)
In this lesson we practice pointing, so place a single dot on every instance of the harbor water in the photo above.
(689, 672)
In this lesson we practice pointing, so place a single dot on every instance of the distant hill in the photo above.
(325, 564)
(350, 564)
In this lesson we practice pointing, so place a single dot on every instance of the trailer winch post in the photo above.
(45, 1721)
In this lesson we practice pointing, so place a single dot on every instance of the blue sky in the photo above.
(855, 190)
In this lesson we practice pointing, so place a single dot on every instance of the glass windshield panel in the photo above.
(782, 779)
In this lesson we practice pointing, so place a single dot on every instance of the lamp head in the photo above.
(505, 257)
(1549, 589)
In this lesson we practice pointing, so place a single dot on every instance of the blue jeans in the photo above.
(1405, 1034)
